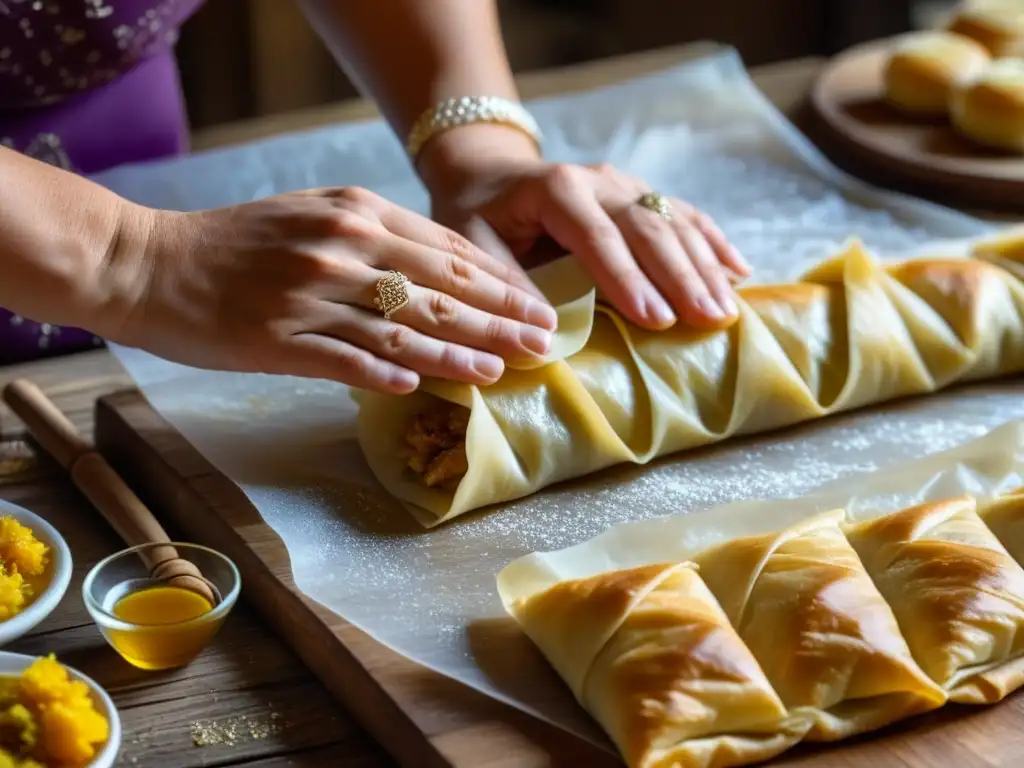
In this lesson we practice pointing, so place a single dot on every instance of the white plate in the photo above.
(13, 664)
(60, 574)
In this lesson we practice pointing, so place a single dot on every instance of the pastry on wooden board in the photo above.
(850, 625)
(998, 25)
(925, 69)
(650, 654)
(851, 333)
(823, 634)
(989, 110)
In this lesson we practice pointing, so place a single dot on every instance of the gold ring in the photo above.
(391, 293)
(656, 203)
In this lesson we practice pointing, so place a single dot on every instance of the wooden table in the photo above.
(247, 672)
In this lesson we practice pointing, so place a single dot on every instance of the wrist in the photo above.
(452, 160)
(120, 276)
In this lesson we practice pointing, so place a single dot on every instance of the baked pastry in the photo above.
(989, 110)
(957, 594)
(925, 68)
(650, 654)
(848, 626)
(1005, 518)
(849, 334)
(998, 25)
(826, 639)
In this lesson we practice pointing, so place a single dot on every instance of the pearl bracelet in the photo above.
(465, 111)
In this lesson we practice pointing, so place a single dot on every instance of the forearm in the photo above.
(61, 238)
(408, 55)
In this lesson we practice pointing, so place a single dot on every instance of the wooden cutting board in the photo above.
(922, 157)
(426, 719)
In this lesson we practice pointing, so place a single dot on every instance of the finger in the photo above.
(419, 229)
(707, 265)
(408, 348)
(663, 256)
(469, 283)
(575, 218)
(313, 355)
(728, 255)
(444, 317)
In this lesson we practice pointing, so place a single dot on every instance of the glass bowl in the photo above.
(151, 624)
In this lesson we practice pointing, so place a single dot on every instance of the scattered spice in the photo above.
(235, 730)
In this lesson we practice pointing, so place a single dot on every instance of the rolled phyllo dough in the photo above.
(824, 636)
(956, 592)
(651, 655)
(1004, 516)
(850, 333)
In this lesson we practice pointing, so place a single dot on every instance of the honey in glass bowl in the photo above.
(151, 624)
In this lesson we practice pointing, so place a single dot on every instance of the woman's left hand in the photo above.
(490, 184)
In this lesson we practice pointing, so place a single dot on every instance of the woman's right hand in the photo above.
(286, 285)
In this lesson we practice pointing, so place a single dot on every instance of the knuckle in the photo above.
(454, 243)
(352, 226)
(604, 168)
(499, 330)
(514, 303)
(355, 196)
(563, 175)
(458, 274)
(359, 364)
(454, 357)
(443, 309)
(397, 339)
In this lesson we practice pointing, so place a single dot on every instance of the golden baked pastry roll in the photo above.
(1004, 516)
(925, 69)
(998, 25)
(826, 639)
(957, 594)
(650, 655)
(850, 333)
(989, 108)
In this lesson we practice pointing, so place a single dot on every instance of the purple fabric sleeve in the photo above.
(86, 86)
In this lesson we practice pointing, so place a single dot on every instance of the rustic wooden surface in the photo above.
(246, 671)
(923, 157)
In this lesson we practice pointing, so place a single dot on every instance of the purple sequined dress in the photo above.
(86, 85)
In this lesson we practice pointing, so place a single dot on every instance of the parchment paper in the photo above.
(701, 131)
(985, 467)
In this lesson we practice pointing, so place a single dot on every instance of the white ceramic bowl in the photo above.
(13, 664)
(60, 574)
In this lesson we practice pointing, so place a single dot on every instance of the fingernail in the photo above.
(710, 308)
(658, 312)
(405, 380)
(488, 366)
(535, 339)
(729, 306)
(740, 261)
(542, 315)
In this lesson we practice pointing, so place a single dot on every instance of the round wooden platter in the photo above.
(925, 157)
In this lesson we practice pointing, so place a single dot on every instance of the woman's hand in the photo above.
(286, 285)
(489, 183)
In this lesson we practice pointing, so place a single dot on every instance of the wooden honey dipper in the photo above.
(95, 478)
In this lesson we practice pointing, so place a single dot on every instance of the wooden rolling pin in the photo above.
(95, 478)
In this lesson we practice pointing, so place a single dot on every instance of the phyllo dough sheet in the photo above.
(850, 333)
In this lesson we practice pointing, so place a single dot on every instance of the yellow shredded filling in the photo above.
(22, 558)
(20, 550)
(48, 720)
